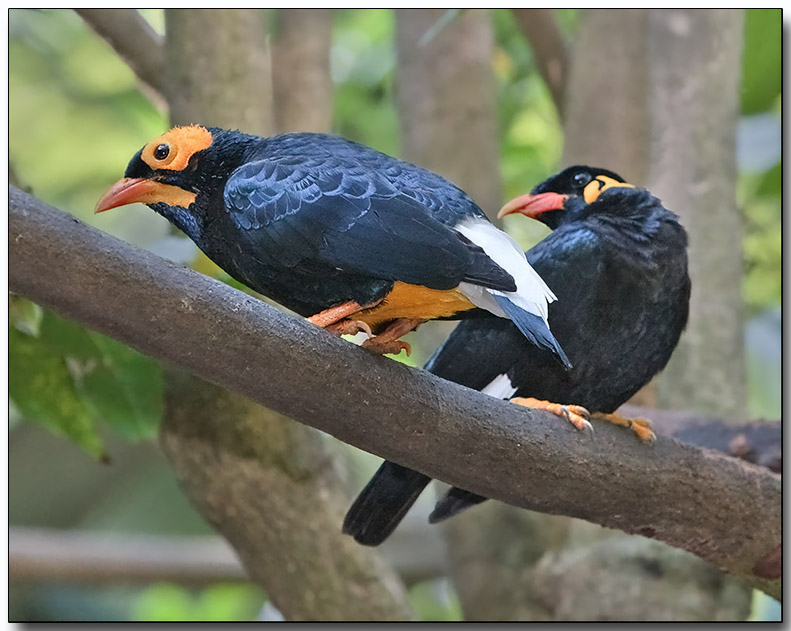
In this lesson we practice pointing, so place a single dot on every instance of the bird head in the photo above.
(174, 169)
(567, 196)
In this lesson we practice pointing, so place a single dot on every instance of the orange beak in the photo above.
(131, 190)
(127, 191)
(533, 205)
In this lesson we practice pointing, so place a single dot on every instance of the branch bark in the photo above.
(756, 441)
(721, 509)
(139, 45)
(550, 50)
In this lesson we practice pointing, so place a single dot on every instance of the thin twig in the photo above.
(45, 555)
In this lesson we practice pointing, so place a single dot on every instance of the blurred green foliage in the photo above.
(435, 601)
(761, 59)
(166, 602)
(68, 379)
(363, 67)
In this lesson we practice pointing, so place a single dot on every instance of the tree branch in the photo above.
(721, 509)
(44, 555)
(754, 441)
(549, 47)
(128, 33)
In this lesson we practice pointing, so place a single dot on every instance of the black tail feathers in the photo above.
(533, 327)
(382, 504)
(455, 501)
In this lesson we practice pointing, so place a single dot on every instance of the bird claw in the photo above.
(575, 414)
(578, 416)
(640, 426)
(387, 347)
(387, 341)
(349, 327)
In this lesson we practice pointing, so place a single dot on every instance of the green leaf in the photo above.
(772, 183)
(167, 602)
(43, 391)
(435, 600)
(67, 378)
(25, 315)
(119, 385)
(761, 60)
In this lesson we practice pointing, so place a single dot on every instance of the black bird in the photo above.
(617, 260)
(337, 231)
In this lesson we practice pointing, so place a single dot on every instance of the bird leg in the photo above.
(335, 319)
(330, 316)
(640, 426)
(387, 341)
(575, 414)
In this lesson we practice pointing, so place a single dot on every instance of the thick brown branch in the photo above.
(133, 39)
(549, 47)
(754, 441)
(722, 509)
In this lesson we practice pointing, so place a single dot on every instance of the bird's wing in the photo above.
(359, 220)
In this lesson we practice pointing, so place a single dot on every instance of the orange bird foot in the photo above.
(349, 327)
(387, 341)
(330, 316)
(392, 347)
(640, 426)
(575, 414)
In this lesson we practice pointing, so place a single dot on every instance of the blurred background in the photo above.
(495, 100)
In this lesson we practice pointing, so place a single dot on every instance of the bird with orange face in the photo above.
(350, 237)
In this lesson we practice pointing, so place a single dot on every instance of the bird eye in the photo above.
(162, 152)
(581, 179)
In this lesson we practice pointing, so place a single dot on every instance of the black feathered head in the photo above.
(565, 196)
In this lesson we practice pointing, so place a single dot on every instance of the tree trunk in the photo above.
(272, 488)
(301, 70)
(446, 99)
(218, 69)
(264, 482)
(623, 112)
(693, 170)
(606, 121)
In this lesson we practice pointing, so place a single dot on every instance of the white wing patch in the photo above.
(500, 387)
(532, 293)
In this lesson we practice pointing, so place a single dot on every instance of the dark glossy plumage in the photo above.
(312, 220)
(619, 269)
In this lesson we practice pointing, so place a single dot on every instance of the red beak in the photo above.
(533, 205)
(127, 191)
